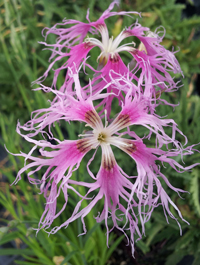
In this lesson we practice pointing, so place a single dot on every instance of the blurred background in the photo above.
(22, 61)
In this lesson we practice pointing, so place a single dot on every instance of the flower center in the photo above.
(102, 137)
(110, 46)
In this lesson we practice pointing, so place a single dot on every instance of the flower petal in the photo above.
(112, 184)
(64, 107)
(147, 185)
(60, 162)
(135, 112)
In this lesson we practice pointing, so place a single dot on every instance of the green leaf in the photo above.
(16, 251)
(46, 243)
(3, 231)
(90, 232)
(68, 257)
(154, 230)
(113, 247)
(34, 260)
(197, 255)
(89, 246)
(197, 259)
(8, 237)
(26, 262)
(194, 189)
(161, 219)
(143, 246)
(188, 22)
(174, 258)
(185, 239)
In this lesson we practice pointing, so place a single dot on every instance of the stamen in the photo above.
(110, 46)
(84, 135)
(99, 57)
(127, 145)
(101, 137)
(106, 120)
(130, 149)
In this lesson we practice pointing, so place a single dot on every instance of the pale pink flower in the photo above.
(68, 108)
(128, 200)
(140, 193)
(154, 63)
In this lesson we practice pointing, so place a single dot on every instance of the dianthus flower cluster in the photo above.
(137, 87)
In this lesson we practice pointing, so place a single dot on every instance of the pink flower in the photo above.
(128, 200)
(150, 58)
(65, 106)
(140, 193)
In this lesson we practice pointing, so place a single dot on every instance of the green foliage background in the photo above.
(23, 61)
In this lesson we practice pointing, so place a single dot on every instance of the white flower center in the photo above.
(104, 136)
(110, 46)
